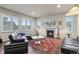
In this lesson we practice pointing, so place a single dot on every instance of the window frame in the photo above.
(12, 30)
(26, 27)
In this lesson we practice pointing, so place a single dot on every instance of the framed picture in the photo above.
(48, 23)
(54, 22)
(59, 22)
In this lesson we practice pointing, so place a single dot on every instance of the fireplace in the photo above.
(50, 33)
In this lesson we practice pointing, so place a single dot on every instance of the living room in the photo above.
(40, 22)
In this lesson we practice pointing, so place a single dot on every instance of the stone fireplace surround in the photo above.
(43, 31)
(52, 29)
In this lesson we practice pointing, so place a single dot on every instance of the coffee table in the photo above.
(38, 37)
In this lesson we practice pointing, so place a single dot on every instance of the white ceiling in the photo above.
(39, 9)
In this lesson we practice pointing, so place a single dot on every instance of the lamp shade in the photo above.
(73, 11)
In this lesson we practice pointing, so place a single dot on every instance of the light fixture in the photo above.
(33, 13)
(58, 6)
(73, 11)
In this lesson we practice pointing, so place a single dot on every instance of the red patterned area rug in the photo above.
(47, 46)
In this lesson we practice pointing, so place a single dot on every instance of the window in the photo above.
(7, 24)
(26, 24)
(68, 21)
(15, 23)
(10, 23)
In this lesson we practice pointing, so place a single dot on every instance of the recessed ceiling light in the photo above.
(33, 13)
(58, 6)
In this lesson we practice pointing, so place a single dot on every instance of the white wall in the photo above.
(78, 25)
(3, 11)
(57, 17)
(74, 31)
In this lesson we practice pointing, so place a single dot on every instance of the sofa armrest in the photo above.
(16, 48)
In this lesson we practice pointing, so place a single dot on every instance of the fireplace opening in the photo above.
(50, 33)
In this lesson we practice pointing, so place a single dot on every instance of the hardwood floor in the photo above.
(1, 49)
